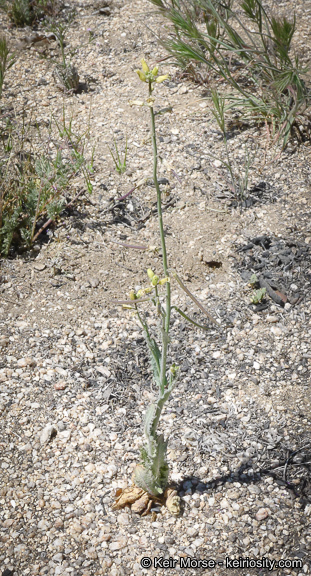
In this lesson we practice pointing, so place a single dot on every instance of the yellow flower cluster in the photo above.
(147, 75)
(154, 281)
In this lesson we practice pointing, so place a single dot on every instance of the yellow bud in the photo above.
(174, 369)
(150, 273)
(140, 293)
(132, 295)
(148, 290)
(141, 75)
(144, 65)
(136, 103)
(163, 281)
(162, 78)
(155, 280)
(155, 71)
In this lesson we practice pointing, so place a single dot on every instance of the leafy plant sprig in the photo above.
(27, 12)
(239, 179)
(35, 189)
(258, 295)
(120, 166)
(65, 73)
(6, 60)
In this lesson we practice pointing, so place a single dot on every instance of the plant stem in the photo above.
(163, 245)
(229, 164)
(36, 216)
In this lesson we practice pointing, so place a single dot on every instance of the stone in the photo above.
(254, 489)
(94, 282)
(192, 531)
(224, 503)
(58, 557)
(48, 433)
(64, 436)
(217, 163)
(262, 514)
(39, 266)
(60, 385)
(91, 553)
(118, 544)
(183, 90)
(123, 519)
(76, 527)
(272, 319)
(104, 371)
(58, 544)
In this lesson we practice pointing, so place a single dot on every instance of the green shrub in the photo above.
(34, 185)
(249, 48)
(26, 12)
(20, 12)
(65, 73)
(238, 175)
(6, 60)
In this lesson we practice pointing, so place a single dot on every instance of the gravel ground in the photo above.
(74, 373)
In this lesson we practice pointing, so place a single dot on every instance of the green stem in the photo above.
(233, 180)
(160, 405)
(148, 338)
(36, 216)
(163, 245)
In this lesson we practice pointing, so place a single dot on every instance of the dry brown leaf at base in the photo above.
(127, 496)
(140, 501)
(172, 501)
(143, 505)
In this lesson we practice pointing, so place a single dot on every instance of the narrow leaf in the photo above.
(189, 319)
(130, 302)
(193, 298)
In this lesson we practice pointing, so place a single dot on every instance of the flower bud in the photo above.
(144, 65)
(148, 290)
(155, 71)
(136, 103)
(162, 78)
(140, 293)
(141, 75)
(163, 281)
(155, 280)
(150, 273)
(174, 370)
(132, 295)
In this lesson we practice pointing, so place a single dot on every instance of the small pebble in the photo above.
(47, 433)
(262, 514)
